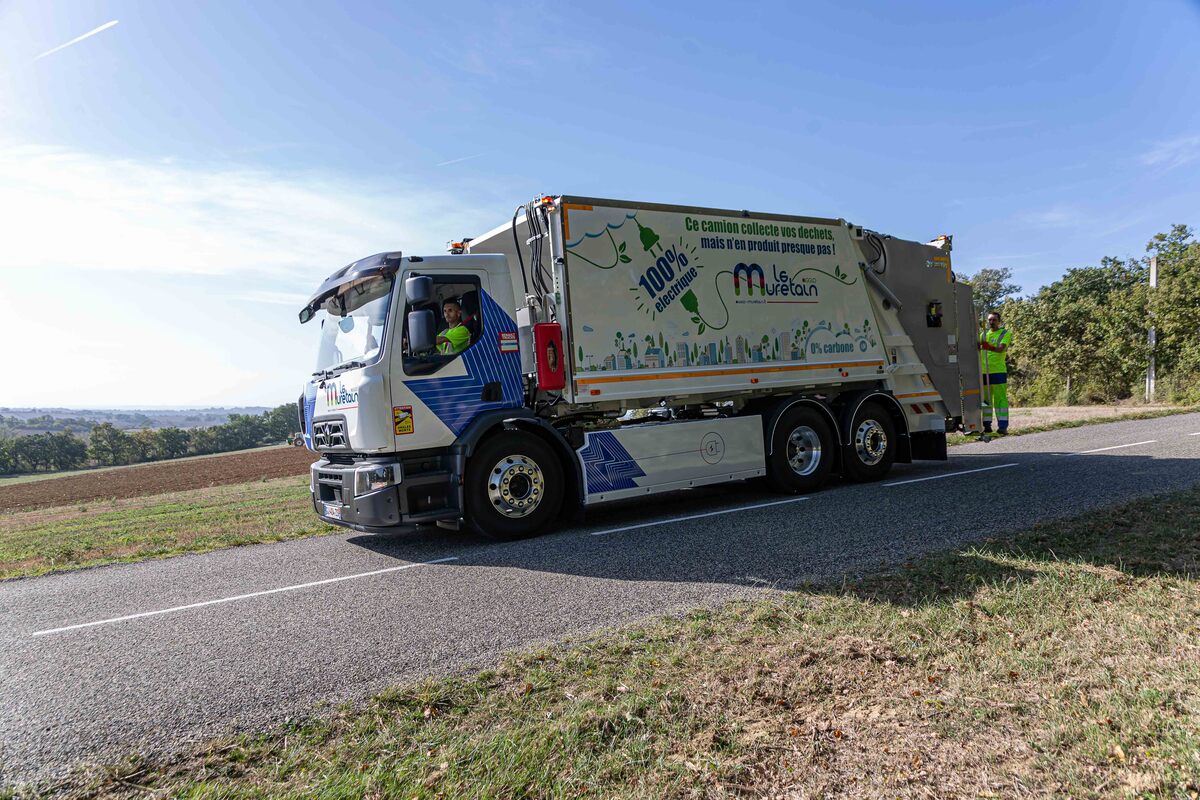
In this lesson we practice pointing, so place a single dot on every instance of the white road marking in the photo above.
(1197, 433)
(948, 475)
(1114, 447)
(241, 597)
(698, 516)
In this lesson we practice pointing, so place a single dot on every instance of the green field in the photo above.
(1062, 662)
(198, 520)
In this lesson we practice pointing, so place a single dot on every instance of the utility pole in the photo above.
(1153, 336)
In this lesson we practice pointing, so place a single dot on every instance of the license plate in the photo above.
(333, 510)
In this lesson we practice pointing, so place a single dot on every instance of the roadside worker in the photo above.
(993, 343)
(456, 336)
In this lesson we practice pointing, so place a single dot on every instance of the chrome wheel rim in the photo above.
(870, 442)
(516, 486)
(803, 450)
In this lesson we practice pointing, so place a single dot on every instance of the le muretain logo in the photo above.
(339, 396)
(781, 285)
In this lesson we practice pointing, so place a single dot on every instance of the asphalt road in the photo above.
(100, 662)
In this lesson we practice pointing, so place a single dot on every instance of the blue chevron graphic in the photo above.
(455, 401)
(607, 465)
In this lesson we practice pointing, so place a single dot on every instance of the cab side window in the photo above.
(456, 308)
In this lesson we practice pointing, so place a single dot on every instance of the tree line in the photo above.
(108, 445)
(1083, 338)
(49, 423)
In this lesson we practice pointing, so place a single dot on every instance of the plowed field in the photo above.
(158, 478)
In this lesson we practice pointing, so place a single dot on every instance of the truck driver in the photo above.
(456, 337)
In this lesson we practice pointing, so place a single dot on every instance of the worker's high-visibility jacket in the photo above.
(991, 362)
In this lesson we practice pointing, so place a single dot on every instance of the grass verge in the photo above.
(1064, 661)
(958, 438)
(135, 529)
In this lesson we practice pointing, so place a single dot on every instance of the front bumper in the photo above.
(426, 493)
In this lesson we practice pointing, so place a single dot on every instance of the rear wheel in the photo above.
(872, 448)
(513, 487)
(802, 449)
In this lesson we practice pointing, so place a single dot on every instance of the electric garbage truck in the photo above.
(617, 349)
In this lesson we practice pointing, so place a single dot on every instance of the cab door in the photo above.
(437, 394)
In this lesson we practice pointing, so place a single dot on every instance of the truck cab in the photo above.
(387, 402)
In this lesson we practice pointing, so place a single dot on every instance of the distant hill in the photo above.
(24, 421)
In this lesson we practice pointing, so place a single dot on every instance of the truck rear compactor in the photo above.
(621, 349)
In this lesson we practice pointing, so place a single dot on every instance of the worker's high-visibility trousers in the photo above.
(995, 387)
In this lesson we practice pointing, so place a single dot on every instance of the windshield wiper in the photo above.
(337, 369)
(329, 372)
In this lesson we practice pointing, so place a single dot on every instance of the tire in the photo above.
(872, 448)
(802, 451)
(513, 487)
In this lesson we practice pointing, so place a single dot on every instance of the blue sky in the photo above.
(171, 186)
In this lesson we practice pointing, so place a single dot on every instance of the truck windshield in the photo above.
(353, 323)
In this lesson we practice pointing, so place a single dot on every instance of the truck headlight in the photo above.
(373, 477)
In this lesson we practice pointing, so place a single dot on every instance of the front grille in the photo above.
(344, 460)
(329, 434)
(329, 477)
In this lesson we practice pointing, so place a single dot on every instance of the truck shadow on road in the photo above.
(847, 533)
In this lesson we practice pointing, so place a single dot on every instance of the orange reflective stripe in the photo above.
(668, 376)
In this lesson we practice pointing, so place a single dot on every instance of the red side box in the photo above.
(548, 345)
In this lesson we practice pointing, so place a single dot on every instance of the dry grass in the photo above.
(1064, 662)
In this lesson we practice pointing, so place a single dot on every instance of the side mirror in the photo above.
(418, 289)
(422, 335)
(305, 315)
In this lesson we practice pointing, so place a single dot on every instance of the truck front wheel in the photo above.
(801, 451)
(513, 487)
(872, 447)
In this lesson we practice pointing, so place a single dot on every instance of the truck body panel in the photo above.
(656, 457)
(658, 305)
(798, 282)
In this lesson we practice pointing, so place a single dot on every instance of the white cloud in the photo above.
(293, 299)
(1058, 216)
(1172, 153)
(458, 160)
(77, 39)
(71, 210)
(158, 282)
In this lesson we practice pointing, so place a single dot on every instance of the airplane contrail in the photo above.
(78, 39)
(456, 160)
